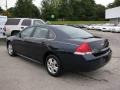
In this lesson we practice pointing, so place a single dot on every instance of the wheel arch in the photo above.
(14, 31)
(48, 53)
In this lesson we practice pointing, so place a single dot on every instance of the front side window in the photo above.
(26, 22)
(12, 22)
(27, 32)
(40, 33)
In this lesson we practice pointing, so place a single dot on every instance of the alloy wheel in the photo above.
(52, 65)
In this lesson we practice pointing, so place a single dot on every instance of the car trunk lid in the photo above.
(96, 44)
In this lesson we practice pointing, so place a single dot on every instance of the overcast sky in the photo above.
(11, 3)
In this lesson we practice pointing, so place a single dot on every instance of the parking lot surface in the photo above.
(17, 73)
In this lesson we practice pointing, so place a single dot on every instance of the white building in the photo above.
(113, 14)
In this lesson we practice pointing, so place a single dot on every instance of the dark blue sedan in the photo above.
(60, 48)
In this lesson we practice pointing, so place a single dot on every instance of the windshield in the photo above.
(74, 33)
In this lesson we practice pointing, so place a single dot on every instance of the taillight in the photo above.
(83, 49)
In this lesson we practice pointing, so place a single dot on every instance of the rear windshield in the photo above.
(12, 21)
(74, 33)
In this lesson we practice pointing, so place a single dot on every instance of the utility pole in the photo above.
(6, 5)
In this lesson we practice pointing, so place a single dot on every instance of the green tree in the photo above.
(35, 12)
(1, 10)
(50, 7)
(100, 12)
(89, 7)
(72, 10)
(116, 3)
(11, 11)
(78, 12)
(25, 8)
(83, 9)
(111, 5)
(65, 11)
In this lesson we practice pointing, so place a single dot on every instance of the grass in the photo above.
(78, 22)
(2, 41)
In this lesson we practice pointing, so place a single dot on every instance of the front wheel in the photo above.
(54, 66)
(10, 49)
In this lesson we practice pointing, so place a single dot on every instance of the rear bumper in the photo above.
(80, 63)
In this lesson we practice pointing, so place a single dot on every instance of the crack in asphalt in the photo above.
(92, 78)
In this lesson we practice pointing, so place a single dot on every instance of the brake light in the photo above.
(83, 49)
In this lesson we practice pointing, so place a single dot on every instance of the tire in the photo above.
(54, 66)
(10, 49)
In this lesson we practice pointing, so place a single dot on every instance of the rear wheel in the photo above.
(54, 66)
(10, 49)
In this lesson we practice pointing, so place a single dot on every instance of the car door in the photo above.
(38, 43)
(21, 44)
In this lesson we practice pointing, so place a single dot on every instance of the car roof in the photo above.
(49, 26)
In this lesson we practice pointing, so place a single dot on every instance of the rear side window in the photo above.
(40, 33)
(26, 22)
(12, 21)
